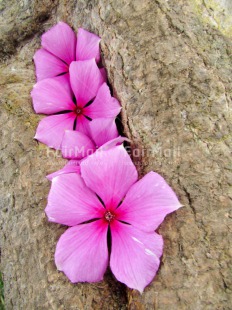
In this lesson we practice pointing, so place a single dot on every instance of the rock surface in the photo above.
(169, 63)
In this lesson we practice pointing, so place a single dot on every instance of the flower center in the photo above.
(109, 216)
(78, 111)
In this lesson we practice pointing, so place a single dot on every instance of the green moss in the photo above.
(30, 119)
(213, 13)
(2, 303)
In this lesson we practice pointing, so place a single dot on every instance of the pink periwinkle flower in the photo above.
(60, 47)
(102, 135)
(106, 197)
(102, 132)
(74, 107)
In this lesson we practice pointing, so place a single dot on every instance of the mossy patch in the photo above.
(216, 13)
(2, 303)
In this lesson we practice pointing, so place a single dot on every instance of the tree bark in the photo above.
(169, 64)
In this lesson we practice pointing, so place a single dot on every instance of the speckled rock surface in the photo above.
(169, 64)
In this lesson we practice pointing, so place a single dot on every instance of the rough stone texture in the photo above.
(169, 63)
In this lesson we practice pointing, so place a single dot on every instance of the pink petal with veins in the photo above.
(147, 203)
(50, 96)
(60, 40)
(104, 105)
(72, 166)
(48, 65)
(104, 74)
(112, 143)
(86, 79)
(102, 130)
(71, 202)
(76, 145)
(135, 255)
(82, 125)
(87, 45)
(82, 253)
(51, 129)
(109, 174)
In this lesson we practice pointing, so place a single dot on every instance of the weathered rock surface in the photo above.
(169, 63)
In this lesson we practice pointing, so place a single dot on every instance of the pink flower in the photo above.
(91, 100)
(107, 198)
(77, 145)
(102, 135)
(61, 47)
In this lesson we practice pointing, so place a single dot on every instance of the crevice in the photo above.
(224, 282)
(189, 200)
(118, 289)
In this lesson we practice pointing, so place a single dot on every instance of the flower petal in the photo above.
(51, 129)
(87, 45)
(71, 202)
(76, 145)
(104, 105)
(72, 166)
(82, 124)
(86, 79)
(48, 65)
(104, 73)
(102, 130)
(135, 255)
(82, 253)
(148, 202)
(60, 40)
(51, 96)
(64, 79)
(110, 174)
(112, 143)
